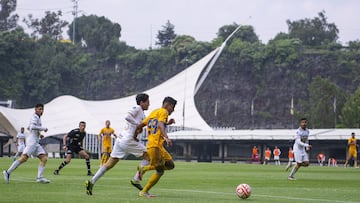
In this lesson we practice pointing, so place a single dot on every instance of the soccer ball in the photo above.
(243, 191)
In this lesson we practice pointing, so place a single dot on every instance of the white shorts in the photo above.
(301, 156)
(35, 149)
(123, 148)
(20, 148)
(276, 157)
(291, 159)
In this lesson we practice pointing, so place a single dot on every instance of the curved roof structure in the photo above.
(65, 112)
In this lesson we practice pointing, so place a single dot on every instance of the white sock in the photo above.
(142, 164)
(98, 174)
(13, 166)
(293, 171)
(40, 171)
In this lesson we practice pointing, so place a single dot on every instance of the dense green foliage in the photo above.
(189, 182)
(312, 70)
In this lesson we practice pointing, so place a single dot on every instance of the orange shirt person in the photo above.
(267, 155)
(255, 155)
(277, 153)
(290, 157)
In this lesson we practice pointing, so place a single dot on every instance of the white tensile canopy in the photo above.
(65, 112)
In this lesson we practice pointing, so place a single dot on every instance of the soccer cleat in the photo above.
(136, 184)
(88, 187)
(146, 194)
(90, 174)
(291, 178)
(6, 177)
(42, 180)
(56, 172)
(140, 171)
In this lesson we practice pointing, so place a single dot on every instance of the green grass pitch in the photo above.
(188, 182)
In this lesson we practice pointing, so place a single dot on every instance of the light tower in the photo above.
(75, 12)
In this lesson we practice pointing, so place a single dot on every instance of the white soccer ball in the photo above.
(243, 191)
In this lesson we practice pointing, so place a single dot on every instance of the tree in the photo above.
(95, 32)
(350, 113)
(50, 25)
(325, 98)
(7, 21)
(167, 35)
(245, 32)
(313, 32)
(15, 50)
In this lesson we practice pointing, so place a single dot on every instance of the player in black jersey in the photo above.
(73, 144)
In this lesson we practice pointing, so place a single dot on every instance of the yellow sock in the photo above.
(104, 158)
(148, 168)
(154, 178)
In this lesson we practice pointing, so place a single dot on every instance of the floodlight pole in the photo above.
(74, 21)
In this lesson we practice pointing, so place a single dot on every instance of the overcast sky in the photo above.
(142, 19)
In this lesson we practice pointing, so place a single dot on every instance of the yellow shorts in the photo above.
(158, 156)
(106, 147)
(353, 153)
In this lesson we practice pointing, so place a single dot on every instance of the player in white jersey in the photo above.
(301, 148)
(20, 143)
(32, 147)
(125, 144)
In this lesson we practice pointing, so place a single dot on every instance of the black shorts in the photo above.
(73, 149)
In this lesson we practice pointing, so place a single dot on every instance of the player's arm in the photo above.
(17, 141)
(33, 125)
(64, 141)
(171, 121)
(299, 142)
(138, 130)
(162, 128)
(99, 135)
(131, 114)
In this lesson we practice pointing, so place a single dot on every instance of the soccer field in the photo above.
(188, 182)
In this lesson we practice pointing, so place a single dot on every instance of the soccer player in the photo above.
(106, 133)
(20, 143)
(301, 148)
(255, 155)
(352, 153)
(267, 156)
(290, 157)
(321, 158)
(332, 162)
(277, 153)
(73, 142)
(127, 144)
(160, 159)
(32, 147)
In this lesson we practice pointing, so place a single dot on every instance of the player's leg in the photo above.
(299, 158)
(354, 155)
(106, 153)
(347, 159)
(65, 162)
(24, 157)
(169, 163)
(99, 173)
(87, 161)
(43, 159)
(156, 160)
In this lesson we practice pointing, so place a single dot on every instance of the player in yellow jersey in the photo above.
(352, 153)
(105, 134)
(160, 159)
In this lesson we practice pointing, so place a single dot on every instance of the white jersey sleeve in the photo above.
(301, 139)
(133, 117)
(35, 128)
